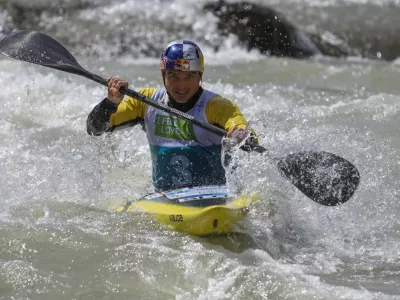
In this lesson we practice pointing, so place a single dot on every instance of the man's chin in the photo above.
(181, 99)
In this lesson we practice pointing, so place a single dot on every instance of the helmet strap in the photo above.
(163, 76)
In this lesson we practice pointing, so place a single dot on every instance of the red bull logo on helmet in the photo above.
(182, 65)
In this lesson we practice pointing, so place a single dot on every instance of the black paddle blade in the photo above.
(39, 48)
(323, 177)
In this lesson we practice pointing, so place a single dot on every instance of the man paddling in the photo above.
(324, 177)
(182, 154)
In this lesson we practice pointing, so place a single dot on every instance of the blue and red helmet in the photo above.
(182, 55)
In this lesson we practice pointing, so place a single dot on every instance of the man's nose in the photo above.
(180, 83)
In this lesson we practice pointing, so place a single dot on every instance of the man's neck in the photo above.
(185, 107)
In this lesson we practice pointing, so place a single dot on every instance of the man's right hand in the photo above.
(114, 84)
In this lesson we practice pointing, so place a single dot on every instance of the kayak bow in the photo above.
(196, 211)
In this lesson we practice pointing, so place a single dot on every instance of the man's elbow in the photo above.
(92, 129)
(93, 133)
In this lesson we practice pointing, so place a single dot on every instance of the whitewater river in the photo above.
(61, 239)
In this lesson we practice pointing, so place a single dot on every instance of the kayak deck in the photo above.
(195, 211)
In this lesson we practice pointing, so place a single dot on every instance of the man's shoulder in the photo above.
(218, 100)
(148, 92)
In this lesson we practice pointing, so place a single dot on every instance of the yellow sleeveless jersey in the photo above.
(220, 111)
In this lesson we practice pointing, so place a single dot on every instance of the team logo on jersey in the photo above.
(174, 128)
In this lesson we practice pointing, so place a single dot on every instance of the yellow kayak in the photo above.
(196, 210)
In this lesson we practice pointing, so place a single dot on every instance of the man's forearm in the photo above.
(99, 118)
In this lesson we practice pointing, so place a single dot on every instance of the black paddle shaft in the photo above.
(41, 49)
(324, 177)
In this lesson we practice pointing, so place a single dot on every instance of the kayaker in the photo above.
(182, 153)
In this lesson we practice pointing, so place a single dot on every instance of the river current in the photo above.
(61, 239)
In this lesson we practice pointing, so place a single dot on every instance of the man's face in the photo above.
(182, 85)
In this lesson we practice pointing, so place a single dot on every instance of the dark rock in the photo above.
(267, 30)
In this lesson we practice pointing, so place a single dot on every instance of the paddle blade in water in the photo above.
(324, 177)
(39, 48)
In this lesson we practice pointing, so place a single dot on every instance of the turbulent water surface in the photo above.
(60, 237)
